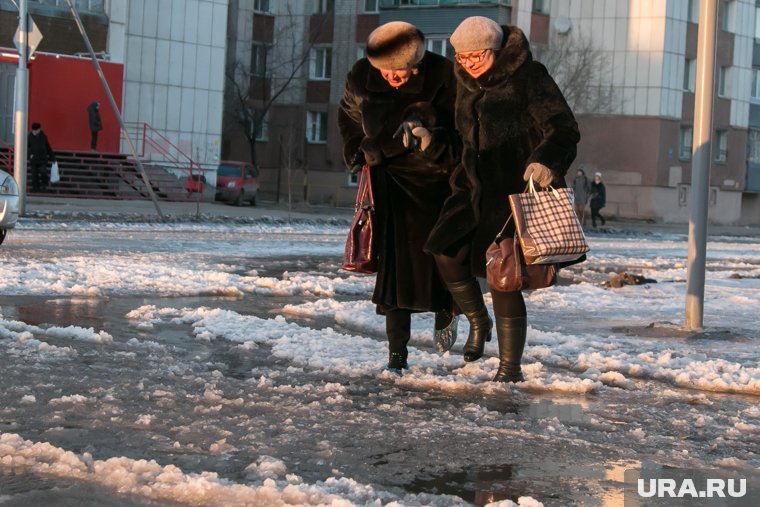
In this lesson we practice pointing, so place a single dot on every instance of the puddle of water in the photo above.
(548, 482)
(479, 486)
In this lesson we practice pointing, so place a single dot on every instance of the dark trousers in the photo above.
(39, 177)
(595, 214)
(94, 140)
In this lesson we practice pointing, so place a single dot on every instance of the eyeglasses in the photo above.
(475, 57)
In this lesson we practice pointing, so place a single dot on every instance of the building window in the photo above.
(757, 22)
(726, 14)
(723, 81)
(325, 6)
(259, 60)
(693, 11)
(684, 143)
(259, 132)
(321, 62)
(370, 6)
(753, 146)
(316, 127)
(261, 5)
(689, 74)
(755, 92)
(361, 51)
(439, 45)
(721, 145)
(353, 179)
(541, 6)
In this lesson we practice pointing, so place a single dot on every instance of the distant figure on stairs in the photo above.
(95, 124)
(40, 153)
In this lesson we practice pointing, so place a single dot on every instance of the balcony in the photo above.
(386, 4)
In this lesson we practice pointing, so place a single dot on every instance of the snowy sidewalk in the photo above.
(102, 209)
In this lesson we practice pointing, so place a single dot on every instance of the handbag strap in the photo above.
(531, 188)
(528, 188)
(365, 188)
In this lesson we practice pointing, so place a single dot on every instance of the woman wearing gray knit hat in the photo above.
(514, 123)
(397, 116)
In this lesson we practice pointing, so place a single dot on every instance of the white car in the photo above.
(8, 204)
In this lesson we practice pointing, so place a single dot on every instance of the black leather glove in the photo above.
(406, 131)
(357, 162)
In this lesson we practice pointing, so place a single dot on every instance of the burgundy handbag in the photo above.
(506, 270)
(359, 255)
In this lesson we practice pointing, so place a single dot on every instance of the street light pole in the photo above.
(22, 107)
(700, 169)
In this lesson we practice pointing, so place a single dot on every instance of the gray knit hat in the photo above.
(475, 34)
(395, 45)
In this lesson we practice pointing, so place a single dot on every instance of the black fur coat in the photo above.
(509, 117)
(410, 186)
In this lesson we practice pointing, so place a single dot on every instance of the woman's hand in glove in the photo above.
(541, 174)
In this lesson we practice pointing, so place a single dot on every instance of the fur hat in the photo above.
(36, 126)
(395, 45)
(475, 34)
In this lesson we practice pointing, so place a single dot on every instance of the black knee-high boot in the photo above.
(398, 325)
(511, 333)
(469, 298)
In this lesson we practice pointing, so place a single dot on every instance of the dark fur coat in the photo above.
(509, 117)
(410, 186)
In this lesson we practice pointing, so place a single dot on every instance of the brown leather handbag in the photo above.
(359, 255)
(506, 270)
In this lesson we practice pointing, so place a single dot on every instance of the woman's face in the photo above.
(396, 77)
(476, 63)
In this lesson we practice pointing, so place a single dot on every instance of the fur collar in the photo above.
(513, 54)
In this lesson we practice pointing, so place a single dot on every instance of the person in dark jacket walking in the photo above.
(514, 123)
(598, 199)
(40, 154)
(96, 125)
(581, 190)
(397, 116)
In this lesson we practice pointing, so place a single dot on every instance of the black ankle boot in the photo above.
(469, 298)
(511, 333)
(398, 329)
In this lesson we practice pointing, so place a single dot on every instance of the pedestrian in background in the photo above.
(598, 199)
(40, 154)
(581, 191)
(96, 125)
(514, 123)
(397, 116)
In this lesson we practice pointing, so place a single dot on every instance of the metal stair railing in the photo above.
(6, 157)
(147, 139)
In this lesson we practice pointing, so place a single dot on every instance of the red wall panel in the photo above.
(61, 88)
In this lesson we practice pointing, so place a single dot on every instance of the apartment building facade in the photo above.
(173, 57)
(640, 140)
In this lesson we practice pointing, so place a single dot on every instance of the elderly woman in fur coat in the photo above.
(397, 116)
(514, 122)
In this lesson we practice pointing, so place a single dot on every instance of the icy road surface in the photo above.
(149, 364)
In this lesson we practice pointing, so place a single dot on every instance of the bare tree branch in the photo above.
(249, 113)
(578, 68)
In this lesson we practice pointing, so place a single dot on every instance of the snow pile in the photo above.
(332, 352)
(269, 482)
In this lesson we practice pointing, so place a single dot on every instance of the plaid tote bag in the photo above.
(548, 229)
